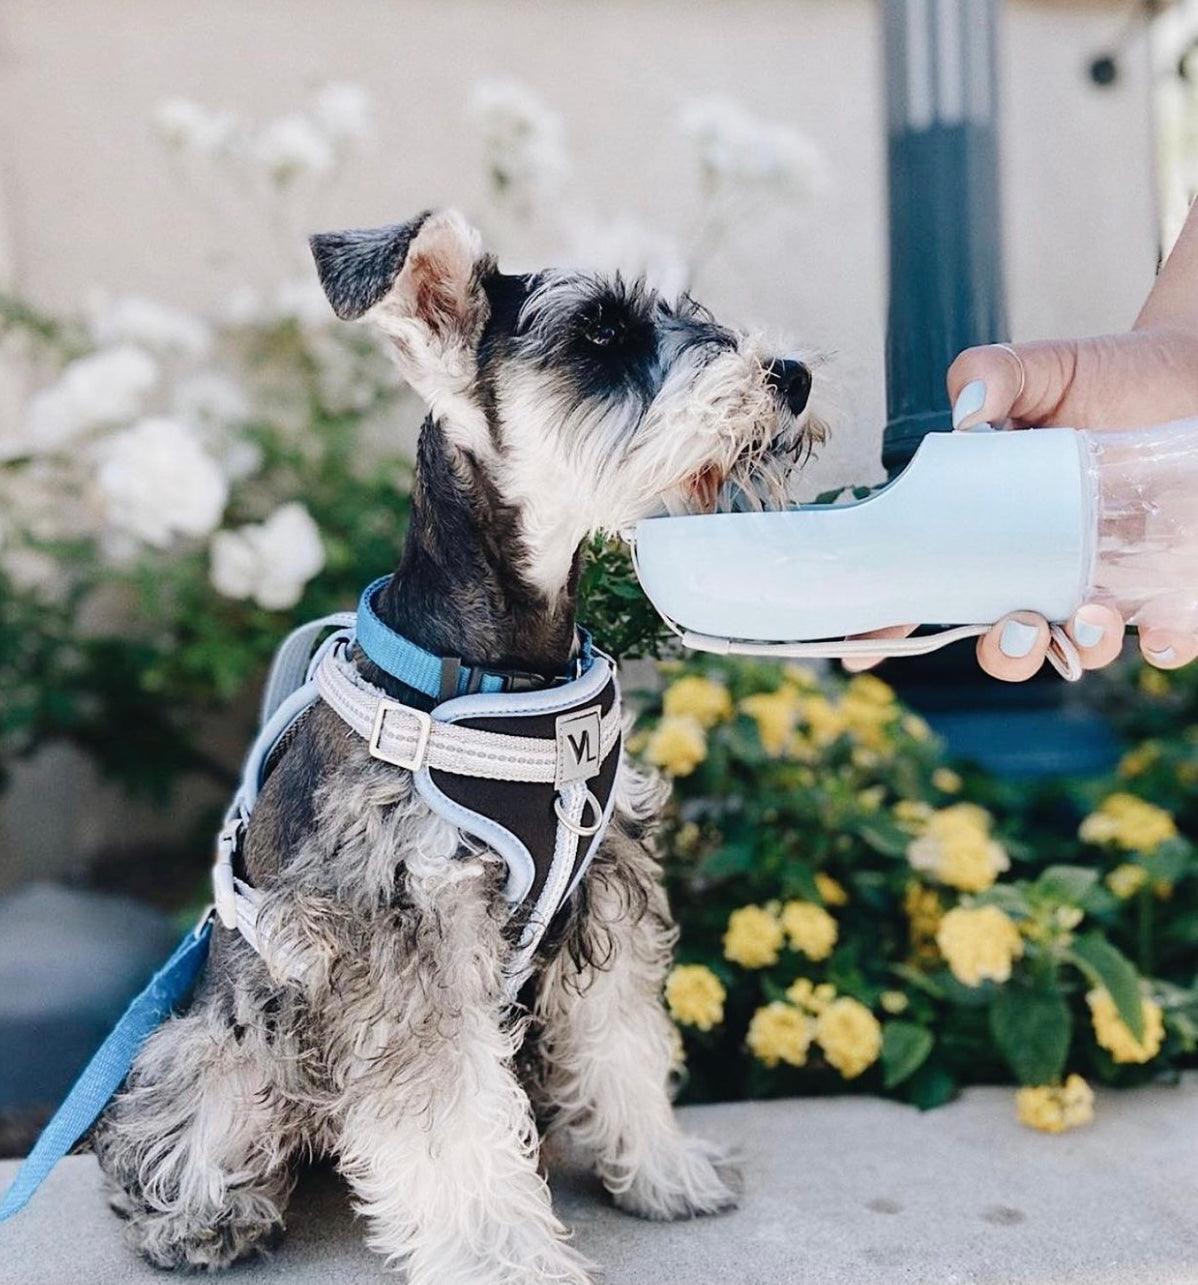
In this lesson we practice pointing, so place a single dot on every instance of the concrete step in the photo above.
(844, 1191)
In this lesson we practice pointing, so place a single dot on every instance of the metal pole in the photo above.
(946, 272)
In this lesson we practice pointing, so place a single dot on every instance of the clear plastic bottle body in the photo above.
(1144, 493)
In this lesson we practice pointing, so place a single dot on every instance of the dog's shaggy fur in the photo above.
(559, 405)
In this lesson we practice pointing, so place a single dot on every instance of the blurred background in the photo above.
(192, 456)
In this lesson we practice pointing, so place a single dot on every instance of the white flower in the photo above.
(191, 127)
(523, 139)
(153, 325)
(343, 111)
(156, 481)
(269, 561)
(104, 387)
(292, 146)
(736, 148)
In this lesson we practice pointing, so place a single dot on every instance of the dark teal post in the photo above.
(946, 274)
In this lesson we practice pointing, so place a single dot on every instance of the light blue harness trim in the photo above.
(103, 1075)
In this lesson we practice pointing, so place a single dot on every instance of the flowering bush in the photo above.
(849, 922)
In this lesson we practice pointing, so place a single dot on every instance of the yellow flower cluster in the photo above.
(924, 913)
(1130, 823)
(1112, 1033)
(777, 1033)
(847, 1032)
(979, 944)
(810, 928)
(754, 937)
(913, 815)
(869, 711)
(1126, 880)
(703, 699)
(955, 848)
(1137, 761)
(695, 996)
(775, 714)
(947, 781)
(850, 1036)
(677, 745)
(1054, 1108)
(831, 891)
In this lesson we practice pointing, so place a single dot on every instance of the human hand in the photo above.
(1145, 377)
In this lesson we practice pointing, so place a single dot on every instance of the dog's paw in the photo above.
(691, 1179)
(182, 1244)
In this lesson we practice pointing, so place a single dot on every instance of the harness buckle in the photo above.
(424, 729)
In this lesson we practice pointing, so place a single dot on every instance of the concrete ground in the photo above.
(849, 1191)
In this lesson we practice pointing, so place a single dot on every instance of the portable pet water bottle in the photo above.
(978, 525)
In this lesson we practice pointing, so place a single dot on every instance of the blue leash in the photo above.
(103, 1075)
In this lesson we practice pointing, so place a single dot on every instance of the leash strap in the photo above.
(103, 1075)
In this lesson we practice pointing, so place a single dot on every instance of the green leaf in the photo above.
(1105, 966)
(930, 1087)
(1070, 884)
(736, 857)
(905, 1048)
(1032, 1029)
(884, 836)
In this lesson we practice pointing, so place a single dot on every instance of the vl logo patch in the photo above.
(578, 746)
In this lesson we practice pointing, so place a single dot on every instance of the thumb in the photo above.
(1023, 383)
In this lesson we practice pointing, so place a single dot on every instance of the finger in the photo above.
(858, 664)
(1098, 632)
(1168, 649)
(1014, 649)
(1022, 383)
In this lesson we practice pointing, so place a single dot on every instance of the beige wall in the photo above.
(86, 197)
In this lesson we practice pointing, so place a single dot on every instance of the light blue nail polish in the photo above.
(969, 401)
(1017, 639)
(1087, 633)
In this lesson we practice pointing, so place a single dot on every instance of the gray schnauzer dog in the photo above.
(560, 404)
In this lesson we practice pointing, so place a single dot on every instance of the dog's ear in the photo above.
(418, 281)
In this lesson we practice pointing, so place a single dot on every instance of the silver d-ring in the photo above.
(576, 827)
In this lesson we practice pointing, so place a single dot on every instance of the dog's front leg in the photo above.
(607, 1045)
(437, 1135)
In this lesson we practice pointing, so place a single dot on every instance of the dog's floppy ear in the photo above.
(423, 275)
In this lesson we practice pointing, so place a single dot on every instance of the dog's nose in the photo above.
(791, 380)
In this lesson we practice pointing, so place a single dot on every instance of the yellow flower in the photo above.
(871, 689)
(695, 996)
(824, 721)
(1137, 761)
(1128, 822)
(849, 1035)
(916, 728)
(810, 928)
(677, 1050)
(779, 1033)
(775, 714)
(754, 937)
(1153, 682)
(978, 944)
(955, 848)
(913, 814)
(802, 993)
(801, 676)
(1054, 1108)
(831, 891)
(678, 744)
(868, 710)
(947, 781)
(894, 1002)
(699, 698)
(1126, 880)
(925, 912)
(1112, 1033)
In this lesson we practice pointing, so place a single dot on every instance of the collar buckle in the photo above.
(424, 729)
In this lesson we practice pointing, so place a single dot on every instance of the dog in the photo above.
(560, 404)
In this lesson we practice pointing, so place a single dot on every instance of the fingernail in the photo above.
(1165, 656)
(1087, 633)
(1017, 639)
(969, 401)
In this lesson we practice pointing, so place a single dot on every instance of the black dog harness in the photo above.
(530, 774)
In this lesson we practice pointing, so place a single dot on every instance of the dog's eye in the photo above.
(602, 326)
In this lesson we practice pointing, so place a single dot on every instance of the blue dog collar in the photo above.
(421, 670)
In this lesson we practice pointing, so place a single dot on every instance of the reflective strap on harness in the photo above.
(410, 738)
